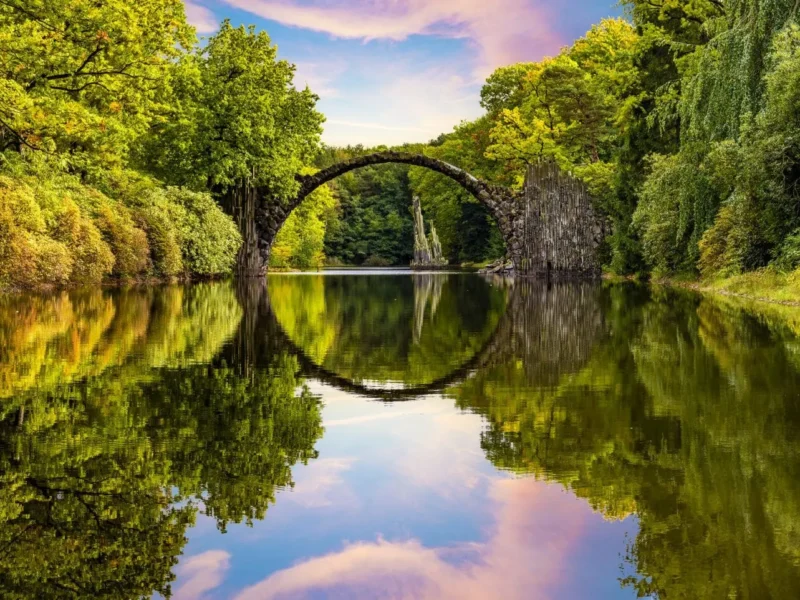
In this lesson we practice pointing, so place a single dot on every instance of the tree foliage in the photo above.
(372, 220)
(110, 104)
(738, 200)
(83, 79)
(236, 116)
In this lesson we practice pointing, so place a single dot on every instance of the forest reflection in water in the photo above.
(127, 415)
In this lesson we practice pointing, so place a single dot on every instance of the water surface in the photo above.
(397, 435)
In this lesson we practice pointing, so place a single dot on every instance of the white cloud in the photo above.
(319, 76)
(401, 103)
(200, 17)
(200, 573)
(372, 126)
(405, 94)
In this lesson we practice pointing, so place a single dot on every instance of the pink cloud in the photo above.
(316, 482)
(503, 31)
(200, 17)
(200, 573)
(526, 556)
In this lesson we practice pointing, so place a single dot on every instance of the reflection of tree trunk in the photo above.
(260, 338)
(241, 202)
(251, 295)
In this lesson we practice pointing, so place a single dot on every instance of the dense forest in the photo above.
(125, 144)
(120, 134)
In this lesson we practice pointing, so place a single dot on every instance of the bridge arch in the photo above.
(503, 203)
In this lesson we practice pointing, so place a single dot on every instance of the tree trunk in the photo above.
(252, 260)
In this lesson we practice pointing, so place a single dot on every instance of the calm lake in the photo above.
(389, 435)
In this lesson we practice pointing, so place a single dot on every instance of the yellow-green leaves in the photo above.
(85, 78)
(570, 108)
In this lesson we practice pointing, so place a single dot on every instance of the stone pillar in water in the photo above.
(436, 249)
(422, 252)
(427, 253)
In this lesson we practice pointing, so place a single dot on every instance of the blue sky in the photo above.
(393, 71)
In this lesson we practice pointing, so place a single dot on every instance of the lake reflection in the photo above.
(245, 441)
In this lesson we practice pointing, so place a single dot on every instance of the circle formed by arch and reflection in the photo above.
(388, 332)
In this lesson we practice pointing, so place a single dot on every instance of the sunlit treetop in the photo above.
(85, 78)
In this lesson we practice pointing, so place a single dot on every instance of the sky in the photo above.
(394, 71)
(402, 502)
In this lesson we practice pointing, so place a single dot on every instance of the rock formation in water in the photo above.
(436, 248)
(427, 255)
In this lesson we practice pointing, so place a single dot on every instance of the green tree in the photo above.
(738, 201)
(372, 221)
(573, 108)
(238, 128)
(83, 79)
(80, 85)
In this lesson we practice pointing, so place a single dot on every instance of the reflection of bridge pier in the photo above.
(550, 328)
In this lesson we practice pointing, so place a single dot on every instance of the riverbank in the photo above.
(766, 286)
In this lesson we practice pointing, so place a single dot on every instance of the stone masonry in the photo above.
(550, 228)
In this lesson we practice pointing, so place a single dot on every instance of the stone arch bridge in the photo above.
(550, 227)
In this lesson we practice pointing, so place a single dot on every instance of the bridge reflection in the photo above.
(422, 335)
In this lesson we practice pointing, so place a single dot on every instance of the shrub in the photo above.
(377, 261)
(27, 255)
(163, 235)
(53, 260)
(17, 255)
(56, 229)
(677, 202)
(209, 238)
(727, 247)
(127, 242)
(789, 256)
(92, 256)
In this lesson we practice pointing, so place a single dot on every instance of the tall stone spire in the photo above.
(422, 252)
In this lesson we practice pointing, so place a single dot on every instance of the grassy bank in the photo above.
(765, 285)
